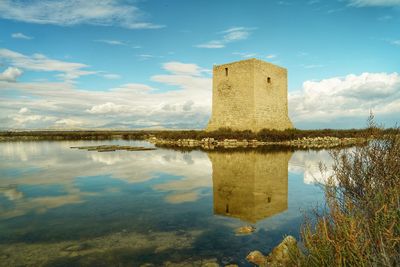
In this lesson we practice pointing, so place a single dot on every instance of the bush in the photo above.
(361, 223)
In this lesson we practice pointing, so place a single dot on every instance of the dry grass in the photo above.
(361, 223)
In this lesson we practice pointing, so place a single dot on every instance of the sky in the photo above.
(109, 64)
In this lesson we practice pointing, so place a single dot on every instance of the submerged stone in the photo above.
(76, 247)
(110, 148)
(245, 230)
(280, 255)
(193, 263)
(210, 264)
(257, 258)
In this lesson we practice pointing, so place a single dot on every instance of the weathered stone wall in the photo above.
(249, 185)
(249, 95)
(271, 103)
(233, 96)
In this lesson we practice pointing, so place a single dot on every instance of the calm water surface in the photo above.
(66, 207)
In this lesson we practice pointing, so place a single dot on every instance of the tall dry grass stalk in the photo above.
(361, 223)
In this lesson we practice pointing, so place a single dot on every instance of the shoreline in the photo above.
(305, 143)
(220, 139)
(207, 143)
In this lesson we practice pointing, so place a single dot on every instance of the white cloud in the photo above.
(39, 62)
(228, 36)
(303, 54)
(385, 18)
(183, 68)
(67, 12)
(10, 74)
(23, 110)
(68, 123)
(396, 42)
(365, 3)
(351, 96)
(245, 54)
(184, 81)
(186, 105)
(211, 44)
(308, 164)
(110, 42)
(271, 56)
(112, 76)
(236, 34)
(22, 120)
(312, 66)
(132, 87)
(284, 3)
(145, 56)
(19, 35)
(108, 108)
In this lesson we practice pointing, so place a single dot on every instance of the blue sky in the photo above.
(147, 64)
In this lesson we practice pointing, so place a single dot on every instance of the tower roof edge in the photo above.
(248, 60)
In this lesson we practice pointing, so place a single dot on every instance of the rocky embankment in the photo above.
(324, 142)
(211, 143)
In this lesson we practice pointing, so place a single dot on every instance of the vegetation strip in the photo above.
(290, 137)
(211, 143)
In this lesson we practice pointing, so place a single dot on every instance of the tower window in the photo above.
(226, 71)
(269, 80)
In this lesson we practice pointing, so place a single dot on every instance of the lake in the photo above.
(67, 207)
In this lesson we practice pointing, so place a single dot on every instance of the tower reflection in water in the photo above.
(250, 185)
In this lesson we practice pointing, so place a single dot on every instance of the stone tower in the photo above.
(249, 95)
